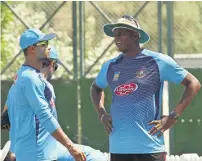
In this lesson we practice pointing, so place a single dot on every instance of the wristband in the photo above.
(174, 115)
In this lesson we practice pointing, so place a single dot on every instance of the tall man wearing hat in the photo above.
(34, 126)
(135, 78)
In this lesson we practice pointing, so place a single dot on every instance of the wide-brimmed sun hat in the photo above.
(129, 23)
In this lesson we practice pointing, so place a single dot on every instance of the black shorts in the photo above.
(139, 157)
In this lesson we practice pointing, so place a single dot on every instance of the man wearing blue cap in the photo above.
(49, 66)
(136, 79)
(34, 125)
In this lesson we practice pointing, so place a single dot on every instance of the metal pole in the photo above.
(82, 53)
(82, 36)
(159, 4)
(170, 53)
(74, 23)
(170, 28)
(78, 99)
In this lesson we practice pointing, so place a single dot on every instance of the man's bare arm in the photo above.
(77, 153)
(192, 87)
(97, 97)
(60, 136)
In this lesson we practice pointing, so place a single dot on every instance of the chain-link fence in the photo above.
(187, 21)
(187, 18)
(57, 17)
(99, 13)
(49, 17)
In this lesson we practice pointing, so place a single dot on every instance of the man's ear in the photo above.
(31, 49)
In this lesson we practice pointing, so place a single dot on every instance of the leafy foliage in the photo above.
(6, 18)
(187, 17)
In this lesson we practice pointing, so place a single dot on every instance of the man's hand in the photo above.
(106, 120)
(161, 125)
(77, 153)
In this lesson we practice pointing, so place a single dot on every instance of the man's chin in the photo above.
(121, 50)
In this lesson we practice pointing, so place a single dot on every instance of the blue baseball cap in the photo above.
(54, 55)
(33, 36)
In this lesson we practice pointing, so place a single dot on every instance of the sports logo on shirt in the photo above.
(125, 89)
(116, 76)
(140, 73)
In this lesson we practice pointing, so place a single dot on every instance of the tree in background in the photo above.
(6, 18)
(187, 29)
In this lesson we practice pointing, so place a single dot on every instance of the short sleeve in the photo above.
(171, 71)
(101, 79)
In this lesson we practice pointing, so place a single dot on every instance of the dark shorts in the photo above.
(139, 157)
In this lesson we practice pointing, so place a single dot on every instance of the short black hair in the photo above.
(25, 51)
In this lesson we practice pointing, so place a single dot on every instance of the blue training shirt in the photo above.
(48, 149)
(33, 117)
(136, 85)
